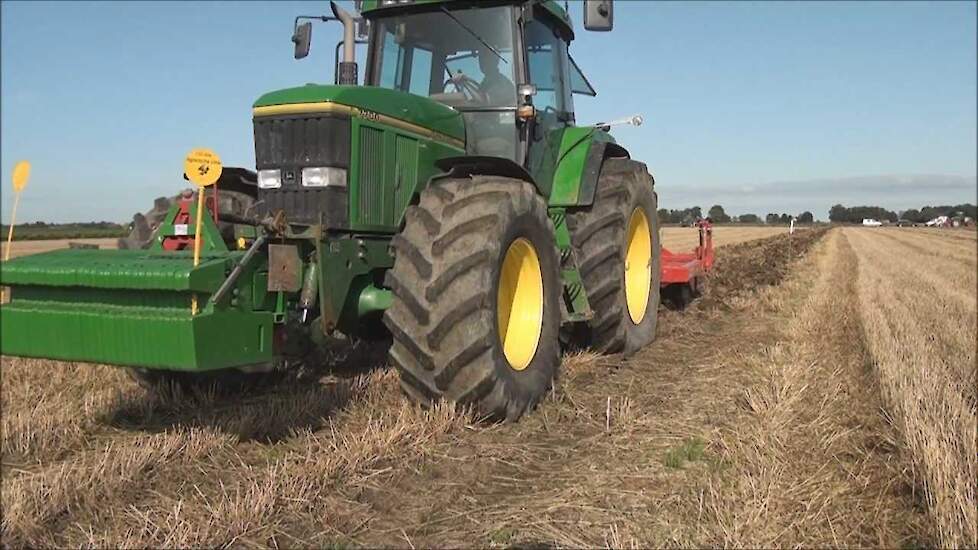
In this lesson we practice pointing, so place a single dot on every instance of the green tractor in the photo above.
(450, 204)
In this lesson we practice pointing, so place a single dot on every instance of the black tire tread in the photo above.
(597, 234)
(448, 353)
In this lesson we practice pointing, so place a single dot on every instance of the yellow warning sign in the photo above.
(22, 171)
(203, 167)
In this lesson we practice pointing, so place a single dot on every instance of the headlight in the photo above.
(323, 177)
(269, 179)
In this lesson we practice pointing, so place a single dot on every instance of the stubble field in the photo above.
(25, 248)
(821, 393)
(683, 239)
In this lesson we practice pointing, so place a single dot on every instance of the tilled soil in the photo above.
(749, 266)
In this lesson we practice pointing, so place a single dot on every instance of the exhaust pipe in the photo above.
(347, 67)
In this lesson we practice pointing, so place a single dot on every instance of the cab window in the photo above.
(460, 57)
(546, 55)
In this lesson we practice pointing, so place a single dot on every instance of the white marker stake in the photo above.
(22, 171)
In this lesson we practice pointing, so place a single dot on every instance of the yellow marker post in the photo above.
(203, 168)
(22, 172)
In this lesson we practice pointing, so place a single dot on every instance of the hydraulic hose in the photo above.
(238, 269)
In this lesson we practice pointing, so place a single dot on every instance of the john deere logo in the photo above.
(289, 176)
(369, 115)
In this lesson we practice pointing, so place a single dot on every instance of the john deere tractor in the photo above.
(451, 200)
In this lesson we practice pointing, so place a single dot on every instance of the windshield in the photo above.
(462, 57)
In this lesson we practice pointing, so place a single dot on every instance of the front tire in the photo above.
(617, 244)
(476, 288)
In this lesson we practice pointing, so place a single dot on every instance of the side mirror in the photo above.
(302, 37)
(599, 15)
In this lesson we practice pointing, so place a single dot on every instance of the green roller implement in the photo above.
(449, 205)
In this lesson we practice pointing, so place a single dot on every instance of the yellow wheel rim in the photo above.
(638, 265)
(519, 303)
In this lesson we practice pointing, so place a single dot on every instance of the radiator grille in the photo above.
(405, 173)
(372, 203)
(300, 141)
(292, 143)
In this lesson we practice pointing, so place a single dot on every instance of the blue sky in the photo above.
(758, 106)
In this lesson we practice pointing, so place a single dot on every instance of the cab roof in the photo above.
(371, 8)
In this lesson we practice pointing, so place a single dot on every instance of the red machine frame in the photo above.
(186, 200)
(684, 272)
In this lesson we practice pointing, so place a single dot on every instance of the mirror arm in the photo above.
(323, 18)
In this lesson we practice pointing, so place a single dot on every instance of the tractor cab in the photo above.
(505, 67)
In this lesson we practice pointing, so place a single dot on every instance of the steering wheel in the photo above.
(466, 86)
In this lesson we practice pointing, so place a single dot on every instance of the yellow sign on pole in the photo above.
(22, 172)
(203, 168)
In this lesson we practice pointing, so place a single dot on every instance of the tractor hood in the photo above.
(411, 112)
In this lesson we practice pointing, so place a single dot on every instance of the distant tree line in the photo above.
(719, 215)
(44, 230)
(856, 214)
(79, 225)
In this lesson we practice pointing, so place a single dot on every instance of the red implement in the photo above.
(684, 271)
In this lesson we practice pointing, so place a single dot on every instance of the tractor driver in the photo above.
(495, 87)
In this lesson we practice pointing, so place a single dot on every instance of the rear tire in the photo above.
(456, 335)
(623, 218)
(145, 226)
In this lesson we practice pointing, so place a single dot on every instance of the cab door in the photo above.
(548, 69)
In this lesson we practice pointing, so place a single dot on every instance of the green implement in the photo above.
(129, 307)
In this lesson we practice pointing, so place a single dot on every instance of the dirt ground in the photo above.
(758, 418)
(918, 293)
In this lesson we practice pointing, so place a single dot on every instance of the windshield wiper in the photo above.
(473, 33)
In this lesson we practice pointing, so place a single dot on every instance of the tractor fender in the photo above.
(599, 151)
(465, 166)
(579, 166)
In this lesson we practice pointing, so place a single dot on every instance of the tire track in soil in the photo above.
(816, 463)
(596, 451)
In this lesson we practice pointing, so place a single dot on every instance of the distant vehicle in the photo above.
(905, 223)
(870, 222)
(940, 221)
